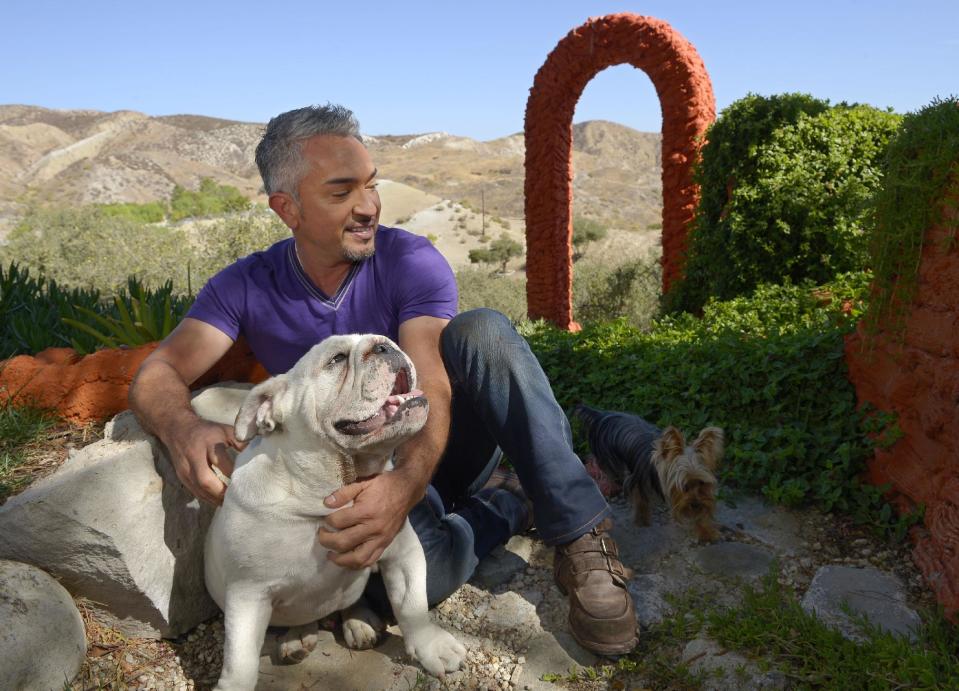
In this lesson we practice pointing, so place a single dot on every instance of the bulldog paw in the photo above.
(294, 644)
(362, 627)
(438, 651)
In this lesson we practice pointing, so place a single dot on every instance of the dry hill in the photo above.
(82, 157)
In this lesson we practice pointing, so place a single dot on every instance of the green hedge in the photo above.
(786, 186)
(768, 368)
(922, 162)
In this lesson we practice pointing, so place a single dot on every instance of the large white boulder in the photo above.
(115, 525)
(42, 641)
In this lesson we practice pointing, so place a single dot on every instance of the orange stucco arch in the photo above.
(688, 107)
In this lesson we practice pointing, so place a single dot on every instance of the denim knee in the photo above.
(474, 326)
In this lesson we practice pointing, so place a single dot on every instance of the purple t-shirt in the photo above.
(268, 298)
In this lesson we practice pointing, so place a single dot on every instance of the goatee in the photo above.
(358, 255)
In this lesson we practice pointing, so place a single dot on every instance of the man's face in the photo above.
(339, 206)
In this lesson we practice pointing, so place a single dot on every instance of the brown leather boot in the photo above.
(601, 614)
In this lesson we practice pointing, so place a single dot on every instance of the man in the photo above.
(342, 272)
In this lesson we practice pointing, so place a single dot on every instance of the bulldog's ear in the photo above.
(259, 414)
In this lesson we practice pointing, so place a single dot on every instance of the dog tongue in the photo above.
(394, 402)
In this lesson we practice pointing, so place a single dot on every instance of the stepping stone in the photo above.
(874, 594)
(774, 526)
(647, 591)
(642, 547)
(734, 559)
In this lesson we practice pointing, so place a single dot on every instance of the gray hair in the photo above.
(279, 155)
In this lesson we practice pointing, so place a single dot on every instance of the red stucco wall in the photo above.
(94, 387)
(915, 374)
(688, 108)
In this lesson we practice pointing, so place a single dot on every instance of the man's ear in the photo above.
(259, 413)
(286, 208)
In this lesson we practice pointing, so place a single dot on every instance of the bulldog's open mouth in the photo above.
(401, 398)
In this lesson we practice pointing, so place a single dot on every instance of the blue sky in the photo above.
(464, 68)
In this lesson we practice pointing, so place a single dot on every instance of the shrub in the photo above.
(603, 291)
(151, 212)
(218, 243)
(786, 182)
(499, 252)
(84, 248)
(585, 231)
(768, 368)
(210, 199)
(506, 294)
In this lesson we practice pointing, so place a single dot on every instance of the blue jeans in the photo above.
(502, 403)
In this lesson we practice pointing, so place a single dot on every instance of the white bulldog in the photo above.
(336, 416)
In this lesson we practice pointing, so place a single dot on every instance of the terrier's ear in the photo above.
(671, 443)
(710, 445)
(259, 413)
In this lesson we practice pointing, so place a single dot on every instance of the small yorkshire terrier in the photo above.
(648, 462)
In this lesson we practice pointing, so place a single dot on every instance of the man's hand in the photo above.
(193, 451)
(363, 531)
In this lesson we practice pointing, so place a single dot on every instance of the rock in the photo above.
(334, 666)
(734, 559)
(726, 669)
(551, 653)
(115, 525)
(42, 641)
(503, 563)
(873, 594)
(511, 618)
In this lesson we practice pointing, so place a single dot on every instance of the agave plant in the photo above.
(32, 309)
(141, 317)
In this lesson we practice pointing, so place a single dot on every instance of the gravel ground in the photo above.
(500, 620)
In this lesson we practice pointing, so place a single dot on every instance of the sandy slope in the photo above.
(453, 228)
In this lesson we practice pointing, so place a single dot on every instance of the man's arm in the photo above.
(417, 458)
(381, 505)
(160, 398)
